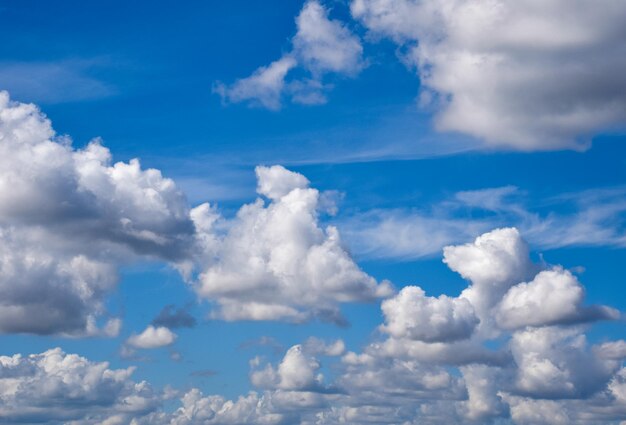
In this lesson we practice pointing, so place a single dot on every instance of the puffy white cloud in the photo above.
(68, 218)
(152, 337)
(411, 314)
(298, 371)
(276, 263)
(493, 263)
(552, 297)
(54, 387)
(321, 46)
(525, 75)
(555, 362)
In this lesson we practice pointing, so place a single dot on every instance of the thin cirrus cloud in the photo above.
(541, 372)
(320, 47)
(55, 82)
(590, 218)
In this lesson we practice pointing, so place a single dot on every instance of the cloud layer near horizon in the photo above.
(493, 352)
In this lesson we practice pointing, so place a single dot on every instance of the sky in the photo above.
(313, 212)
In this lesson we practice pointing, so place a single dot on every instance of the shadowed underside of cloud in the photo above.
(511, 347)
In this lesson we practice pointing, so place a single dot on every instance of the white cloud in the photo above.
(55, 387)
(321, 46)
(298, 371)
(552, 297)
(325, 45)
(152, 337)
(411, 314)
(276, 263)
(68, 218)
(524, 75)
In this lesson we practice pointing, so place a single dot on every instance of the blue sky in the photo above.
(303, 167)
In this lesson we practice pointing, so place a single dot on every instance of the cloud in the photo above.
(68, 219)
(276, 263)
(321, 46)
(521, 75)
(172, 317)
(55, 387)
(298, 371)
(152, 337)
(552, 297)
(411, 314)
(54, 82)
(593, 217)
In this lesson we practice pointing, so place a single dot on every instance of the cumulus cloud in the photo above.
(552, 297)
(411, 314)
(298, 371)
(152, 337)
(55, 387)
(321, 46)
(68, 218)
(276, 262)
(521, 75)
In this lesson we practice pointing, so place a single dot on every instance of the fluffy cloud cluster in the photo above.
(321, 46)
(54, 387)
(68, 217)
(525, 75)
(276, 262)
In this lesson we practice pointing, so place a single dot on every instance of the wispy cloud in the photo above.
(61, 81)
(588, 218)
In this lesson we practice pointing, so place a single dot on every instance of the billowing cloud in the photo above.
(321, 46)
(68, 218)
(411, 314)
(55, 387)
(521, 75)
(552, 297)
(276, 262)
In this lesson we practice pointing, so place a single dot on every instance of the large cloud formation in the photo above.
(276, 262)
(68, 217)
(493, 354)
(526, 75)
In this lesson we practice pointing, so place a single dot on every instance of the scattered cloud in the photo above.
(321, 47)
(468, 359)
